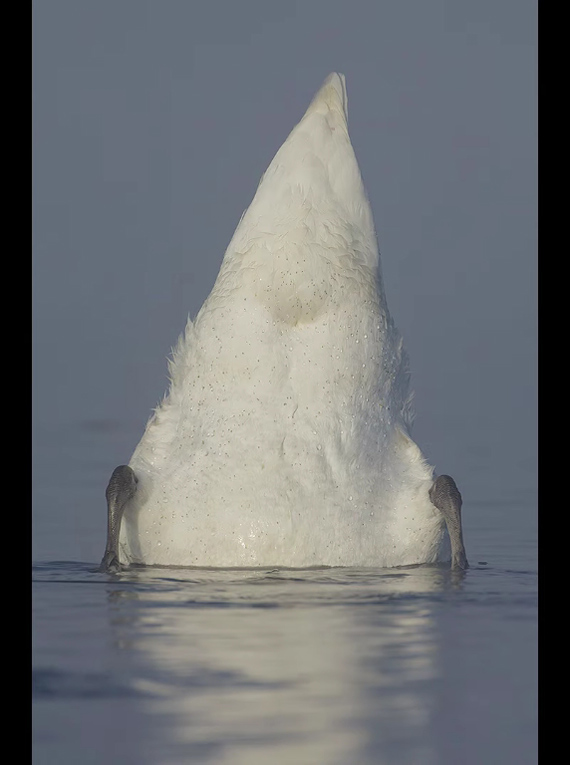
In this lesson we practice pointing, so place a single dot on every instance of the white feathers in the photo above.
(283, 438)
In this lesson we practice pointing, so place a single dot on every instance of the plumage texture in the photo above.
(284, 436)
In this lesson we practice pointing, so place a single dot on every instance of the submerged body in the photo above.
(284, 438)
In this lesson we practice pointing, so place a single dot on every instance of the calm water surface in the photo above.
(316, 666)
(413, 666)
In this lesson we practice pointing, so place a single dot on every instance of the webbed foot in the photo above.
(445, 495)
(121, 488)
(110, 563)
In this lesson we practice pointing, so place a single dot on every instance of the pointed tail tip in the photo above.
(331, 95)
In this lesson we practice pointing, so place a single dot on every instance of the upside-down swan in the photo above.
(284, 438)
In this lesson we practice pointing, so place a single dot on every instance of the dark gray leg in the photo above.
(445, 495)
(122, 486)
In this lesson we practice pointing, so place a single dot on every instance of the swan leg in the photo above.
(122, 487)
(445, 495)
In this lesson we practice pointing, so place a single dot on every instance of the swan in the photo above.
(284, 438)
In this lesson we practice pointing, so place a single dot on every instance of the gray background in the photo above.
(153, 122)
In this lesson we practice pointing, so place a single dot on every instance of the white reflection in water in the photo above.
(331, 666)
